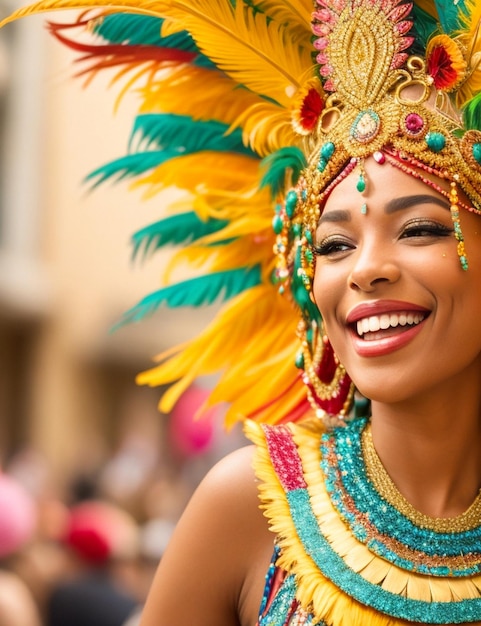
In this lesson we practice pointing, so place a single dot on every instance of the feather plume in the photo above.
(472, 113)
(185, 135)
(282, 168)
(252, 49)
(219, 258)
(266, 127)
(178, 92)
(195, 292)
(176, 229)
(214, 172)
(470, 22)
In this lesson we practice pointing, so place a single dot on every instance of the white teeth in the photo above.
(387, 320)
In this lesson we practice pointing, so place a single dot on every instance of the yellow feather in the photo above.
(471, 40)
(205, 172)
(297, 12)
(418, 587)
(254, 51)
(219, 258)
(220, 97)
(217, 348)
(395, 581)
(146, 7)
(266, 127)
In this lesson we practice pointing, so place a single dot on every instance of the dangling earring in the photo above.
(458, 233)
(329, 388)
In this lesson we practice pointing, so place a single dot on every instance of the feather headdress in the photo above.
(233, 100)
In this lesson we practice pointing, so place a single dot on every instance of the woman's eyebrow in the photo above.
(337, 215)
(405, 202)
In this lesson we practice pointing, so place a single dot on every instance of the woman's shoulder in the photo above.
(219, 553)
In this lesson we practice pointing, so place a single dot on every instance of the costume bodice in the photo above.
(345, 554)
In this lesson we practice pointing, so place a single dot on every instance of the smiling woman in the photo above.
(367, 425)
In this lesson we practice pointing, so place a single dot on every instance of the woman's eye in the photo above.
(425, 229)
(331, 246)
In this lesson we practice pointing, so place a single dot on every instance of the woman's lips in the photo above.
(378, 328)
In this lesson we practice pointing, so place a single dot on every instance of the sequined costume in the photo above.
(352, 550)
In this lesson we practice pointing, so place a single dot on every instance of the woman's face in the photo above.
(401, 314)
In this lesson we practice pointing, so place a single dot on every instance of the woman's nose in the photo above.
(373, 266)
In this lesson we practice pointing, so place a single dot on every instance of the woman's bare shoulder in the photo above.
(218, 555)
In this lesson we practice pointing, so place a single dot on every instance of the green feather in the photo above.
(130, 166)
(176, 229)
(289, 160)
(144, 30)
(182, 133)
(173, 136)
(423, 29)
(472, 113)
(195, 292)
(449, 14)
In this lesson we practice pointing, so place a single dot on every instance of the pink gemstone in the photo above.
(323, 42)
(379, 157)
(326, 70)
(414, 123)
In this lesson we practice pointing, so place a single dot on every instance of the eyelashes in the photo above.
(421, 231)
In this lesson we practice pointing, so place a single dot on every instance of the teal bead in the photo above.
(296, 229)
(361, 184)
(277, 224)
(477, 152)
(308, 235)
(327, 150)
(435, 141)
(291, 203)
(299, 360)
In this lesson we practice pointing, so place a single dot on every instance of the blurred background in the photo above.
(75, 429)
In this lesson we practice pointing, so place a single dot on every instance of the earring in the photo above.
(458, 233)
(329, 388)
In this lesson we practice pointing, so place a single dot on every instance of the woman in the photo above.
(373, 508)
(398, 260)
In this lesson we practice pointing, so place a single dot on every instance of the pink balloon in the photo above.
(17, 518)
(191, 435)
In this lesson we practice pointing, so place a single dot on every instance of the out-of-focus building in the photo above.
(66, 383)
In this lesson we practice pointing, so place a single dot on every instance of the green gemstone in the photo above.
(477, 152)
(435, 141)
(299, 360)
(308, 235)
(291, 203)
(327, 150)
(361, 184)
(277, 224)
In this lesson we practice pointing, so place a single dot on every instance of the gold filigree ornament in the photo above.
(382, 98)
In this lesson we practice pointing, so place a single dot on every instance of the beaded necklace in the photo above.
(468, 520)
(353, 554)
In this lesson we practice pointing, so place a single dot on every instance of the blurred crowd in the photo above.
(85, 555)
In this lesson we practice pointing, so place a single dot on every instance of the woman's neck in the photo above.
(432, 451)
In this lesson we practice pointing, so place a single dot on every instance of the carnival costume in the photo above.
(256, 110)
